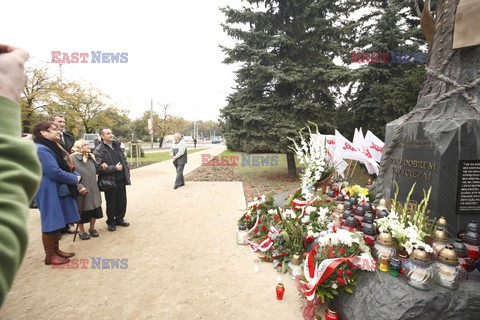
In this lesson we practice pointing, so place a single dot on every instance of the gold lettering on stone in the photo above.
(420, 170)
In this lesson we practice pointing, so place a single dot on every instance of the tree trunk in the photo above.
(292, 168)
(160, 143)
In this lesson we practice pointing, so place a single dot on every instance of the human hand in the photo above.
(119, 166)
(83, 191)
(103, 166)
(12, 74)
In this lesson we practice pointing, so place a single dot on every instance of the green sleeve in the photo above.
(20, 175)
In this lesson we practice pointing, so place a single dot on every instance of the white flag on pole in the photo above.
(358, 140)
(347, 150)
(374, 145)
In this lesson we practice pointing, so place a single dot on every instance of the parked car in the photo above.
(90, 138)
(217, 139)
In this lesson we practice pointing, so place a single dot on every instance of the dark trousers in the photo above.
(116, 203)
(179, 179)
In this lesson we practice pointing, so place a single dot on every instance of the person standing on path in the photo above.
(179, 158)
(112, 167)
(66, 141)
(58, 190)
(90, 197)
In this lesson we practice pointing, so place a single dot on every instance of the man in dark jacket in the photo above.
(66, 139)
(112, 165)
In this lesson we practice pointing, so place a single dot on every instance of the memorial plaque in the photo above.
(431, 157)
(468, 187)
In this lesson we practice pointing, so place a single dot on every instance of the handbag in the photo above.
(107, 183)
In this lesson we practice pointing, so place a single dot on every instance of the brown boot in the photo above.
(48, 240)
(59, 252)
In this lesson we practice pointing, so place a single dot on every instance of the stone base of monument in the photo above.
(379, 295)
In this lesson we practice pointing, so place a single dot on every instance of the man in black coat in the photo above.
(112, 166)
(66, 139)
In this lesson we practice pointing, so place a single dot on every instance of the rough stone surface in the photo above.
(280, 199)
(439, 143)
(427, 144)
(379, 296)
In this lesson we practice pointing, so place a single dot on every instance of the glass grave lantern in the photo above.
(462, 254)
(448, 269)
(369, 233)
(421, 275)
(295, 266)
(383, 246)
(440, 240)
(242, 235)
(471, 239)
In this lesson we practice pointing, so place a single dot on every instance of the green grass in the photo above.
(266, 179)
(164, 155)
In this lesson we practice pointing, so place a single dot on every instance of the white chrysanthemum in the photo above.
(344, 237)
(289, 212)
(322, 214)
(310, 209)
(305, 219)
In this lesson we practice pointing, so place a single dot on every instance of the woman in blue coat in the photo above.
(57, 192)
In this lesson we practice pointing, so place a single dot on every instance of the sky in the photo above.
(173, 49)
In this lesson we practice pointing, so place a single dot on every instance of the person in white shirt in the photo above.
(179, 158)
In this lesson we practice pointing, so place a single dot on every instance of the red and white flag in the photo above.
(358, 140)
(374, 145)
(359, 143)
(347, 150)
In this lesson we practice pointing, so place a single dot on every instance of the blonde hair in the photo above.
(78, 146)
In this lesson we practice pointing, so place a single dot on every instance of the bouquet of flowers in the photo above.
(407, 238)
(278, 235)
(330, 269)
(408, 228)
(256, 209)
(356, 191)
(314, 156)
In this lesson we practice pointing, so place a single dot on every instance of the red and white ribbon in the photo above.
(298, 203)
(265, 244)
(316, 274)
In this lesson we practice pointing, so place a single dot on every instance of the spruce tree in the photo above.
(287, 76)
(381, 92)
